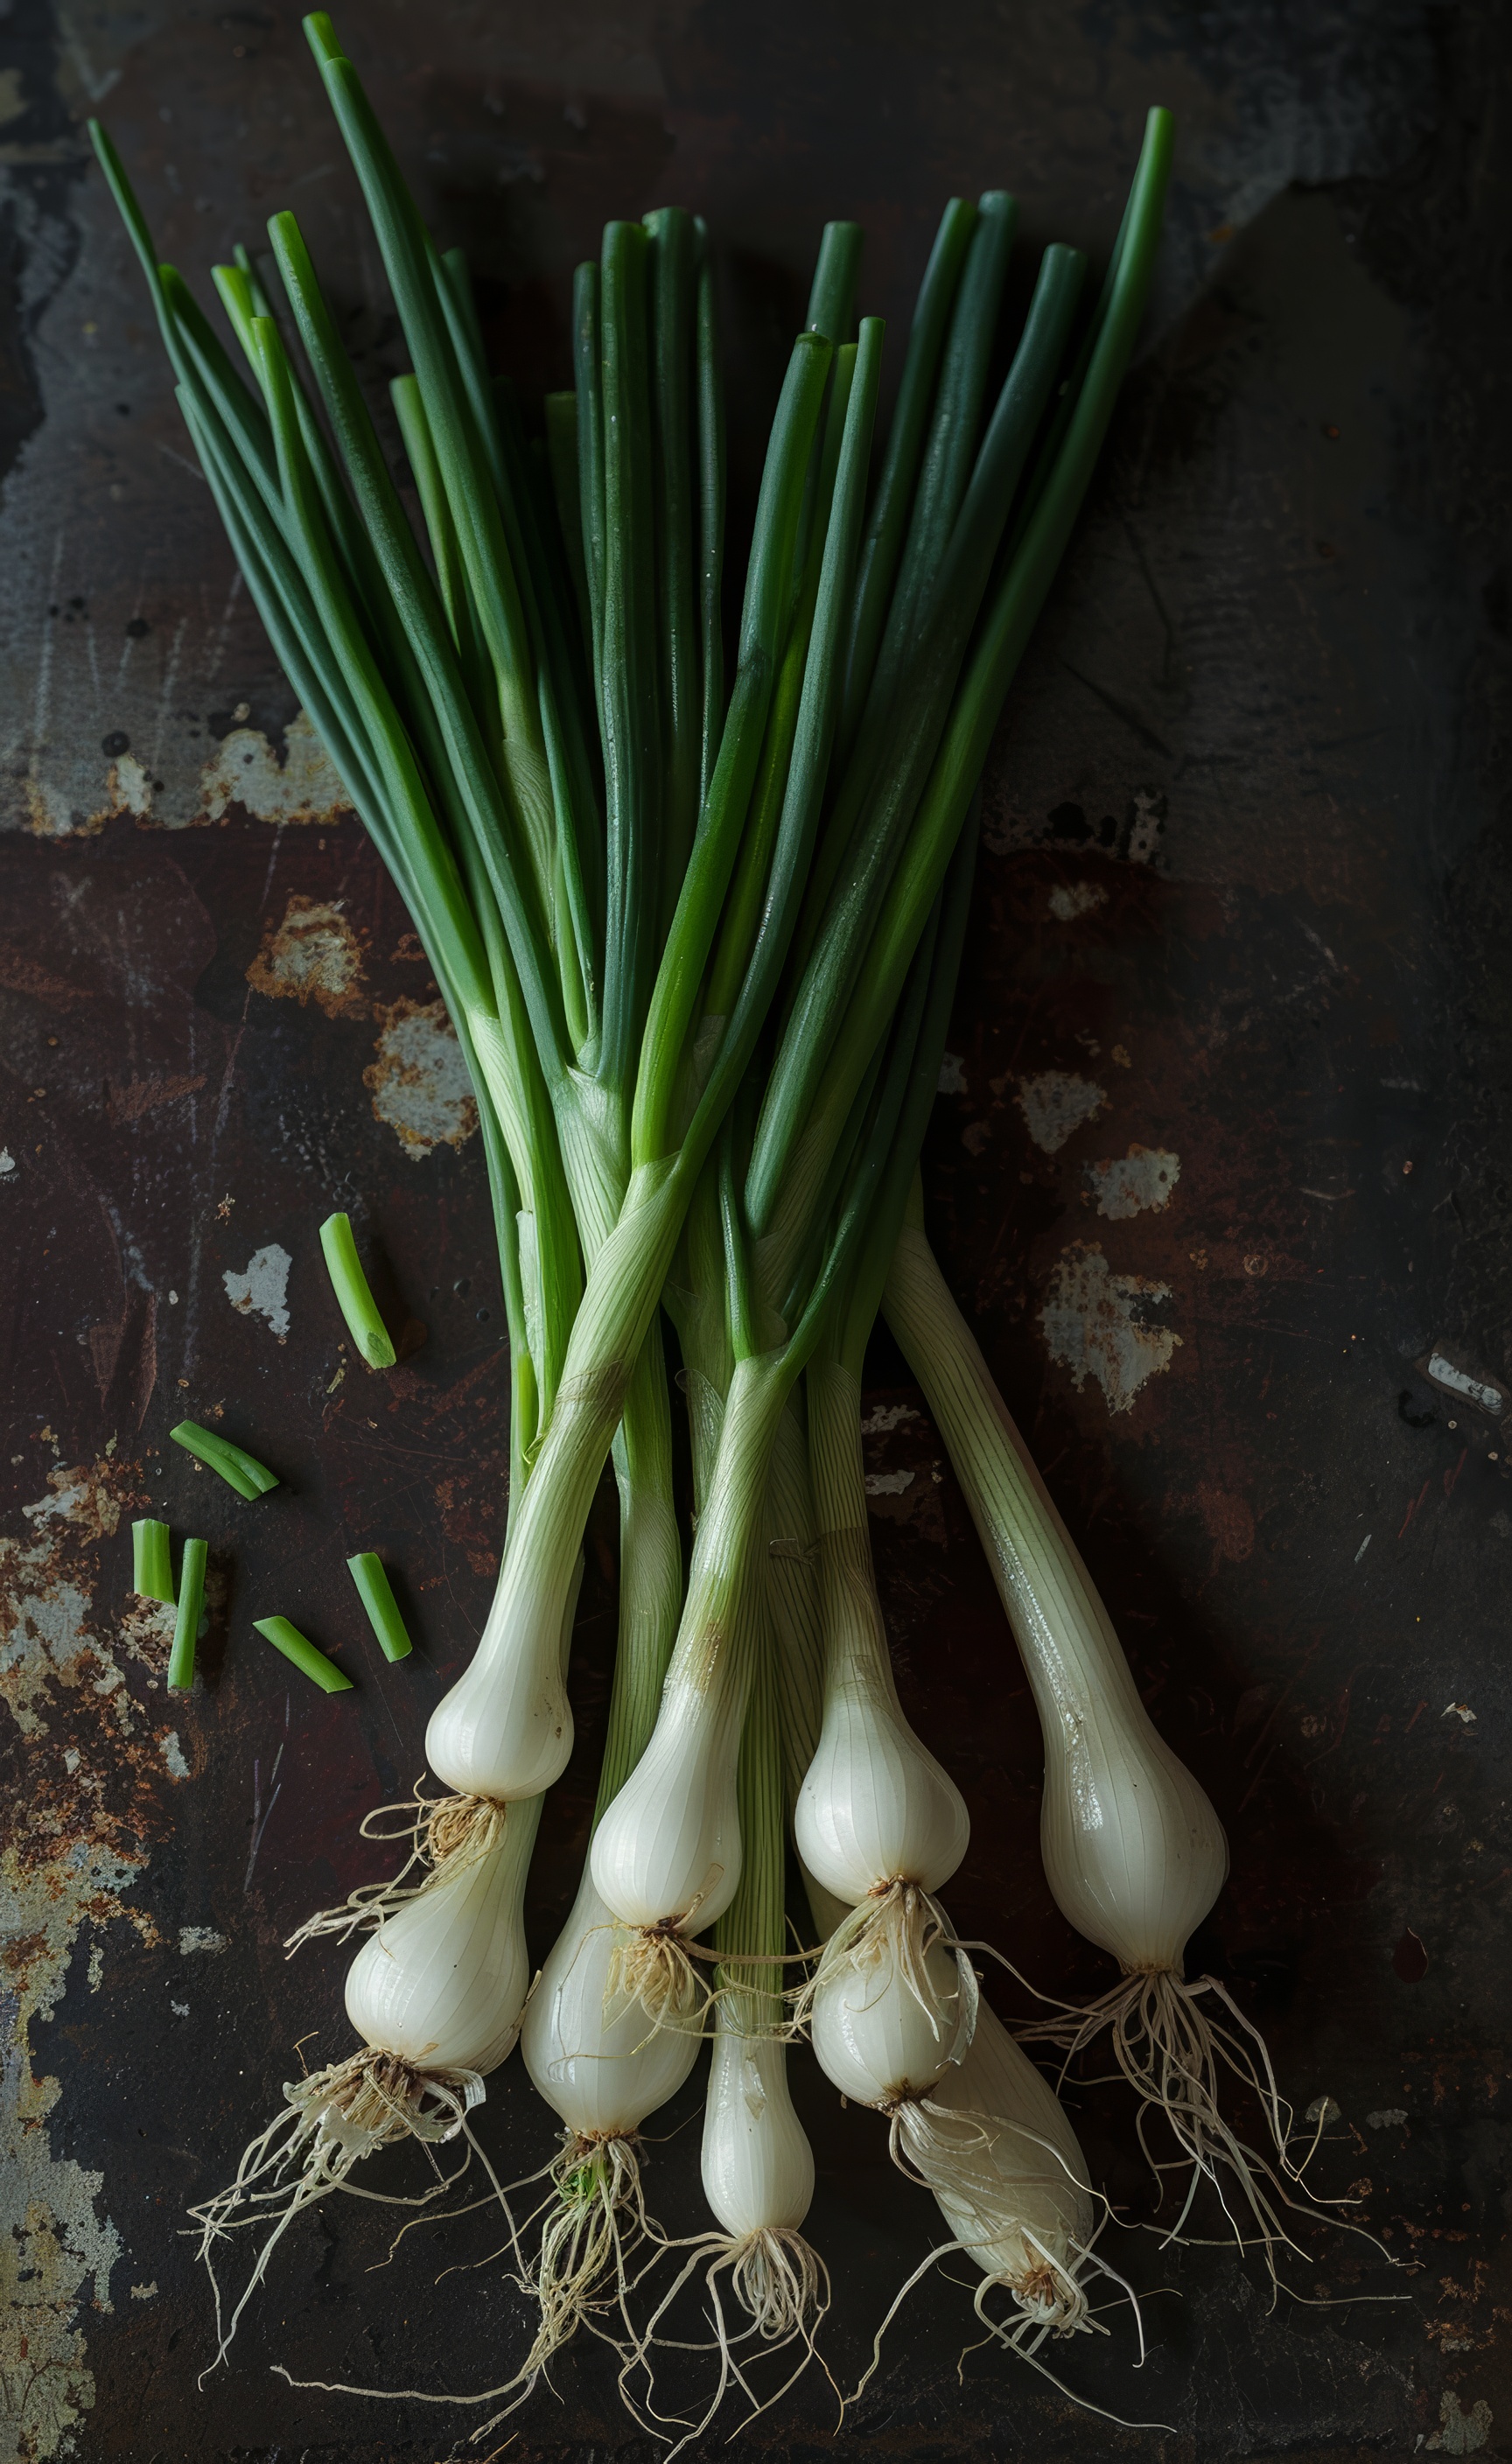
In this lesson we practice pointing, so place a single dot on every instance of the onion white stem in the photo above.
(1133, 1852)
(604, 2065)
(995, 2145)
(666, 1853)
(878, 1821)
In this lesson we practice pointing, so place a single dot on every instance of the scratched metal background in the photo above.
(1224, 1159)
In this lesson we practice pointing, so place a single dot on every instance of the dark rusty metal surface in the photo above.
(1223, 1165)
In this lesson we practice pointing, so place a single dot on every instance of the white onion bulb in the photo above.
(441, 1982)
(668, 1847)
(1133, 1850)
(874, 1807)
(1030, 2182)
(871, 2034)
(757, 2164)
(874, 1804)
(593, 2057)
(505, 1729)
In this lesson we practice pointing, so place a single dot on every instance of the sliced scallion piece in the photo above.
(307, 1657)
(371, 1577)
(151, 1567)
(186, 1623)
(351, 1289)
(240, 1470)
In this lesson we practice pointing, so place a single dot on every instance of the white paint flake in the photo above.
(244, 770)
(172, 1753)
(1391, 2117)
(887, 1416)
(263, 1285)
(952, 1080)
(1130, 1184)
(1092, 1327)
(145, 2292)
(6, 1160)
(888, 1484)
(419, 1082)
(194, 1938)
(1460, 1711)
(1056, 1105)
(1069, 899)
(1460, 2433)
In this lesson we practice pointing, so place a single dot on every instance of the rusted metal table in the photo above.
(1220, 1174)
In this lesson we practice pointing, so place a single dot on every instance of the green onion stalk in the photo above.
(415, 687)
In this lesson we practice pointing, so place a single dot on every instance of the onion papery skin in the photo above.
(599, 2064)
(443, 1981)
(875, 1804)
(757, 2164)
(1133, 1850)
(1032, 2178)
(871, 2035)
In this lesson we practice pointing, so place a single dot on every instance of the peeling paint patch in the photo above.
(68, 1857)
(246, 771)
(263, 1287)
(196, 1938)
(314, 955)
(1056, 1105)
(172, 1753)
(419, 1082)
(952, 1080)
(1460, 2433)
(1069, 899)
(1093, 1327)
(888, 1484)
(887, 1416)
(1130, 1184)
(1391, 2117)
(83, 1496)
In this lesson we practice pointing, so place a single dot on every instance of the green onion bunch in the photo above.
(697, 916)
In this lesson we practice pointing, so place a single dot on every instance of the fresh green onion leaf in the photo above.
(186, 1623)
(351, 1289)
(370, 1575)
(151, 1568)
(241, 1471)
(307, 1659)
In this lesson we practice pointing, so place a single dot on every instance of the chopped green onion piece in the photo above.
(307, 1659)
(241, 1471)
(187, 1624)
(370, 1575)
(151, 1568)
(350, 1287)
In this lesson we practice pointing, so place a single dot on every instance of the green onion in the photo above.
(307, 1659)
(373, 1589)
(240, 1470)
(351, 1289)
(186, 1623)
(151, 1567)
